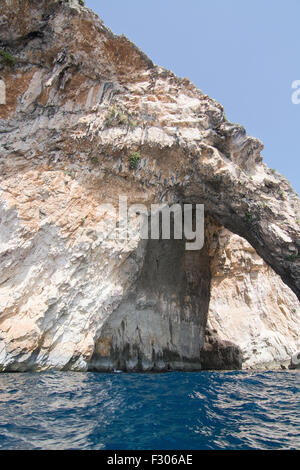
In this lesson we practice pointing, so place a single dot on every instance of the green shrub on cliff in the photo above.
(134, 160)
(293, 257)
(7, 59)
(117, 116)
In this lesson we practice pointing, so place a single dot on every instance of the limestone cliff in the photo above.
(80, 102)
(250, 305)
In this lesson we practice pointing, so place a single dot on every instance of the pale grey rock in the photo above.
(250, 306)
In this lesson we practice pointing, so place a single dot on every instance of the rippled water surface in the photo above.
(206, 410)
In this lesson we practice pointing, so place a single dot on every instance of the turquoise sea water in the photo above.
(205, 410)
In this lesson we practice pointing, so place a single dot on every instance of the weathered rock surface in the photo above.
(250, 305)
(218, 354)
(295, 361)
(79, 102)
(161, 322)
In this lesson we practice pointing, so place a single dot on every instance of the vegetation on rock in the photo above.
(134, 160)
(7, 59)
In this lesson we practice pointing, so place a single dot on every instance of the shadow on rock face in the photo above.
(220, 355)
(161, 323)
(295, 361)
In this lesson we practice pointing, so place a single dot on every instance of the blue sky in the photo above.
(245, 54)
